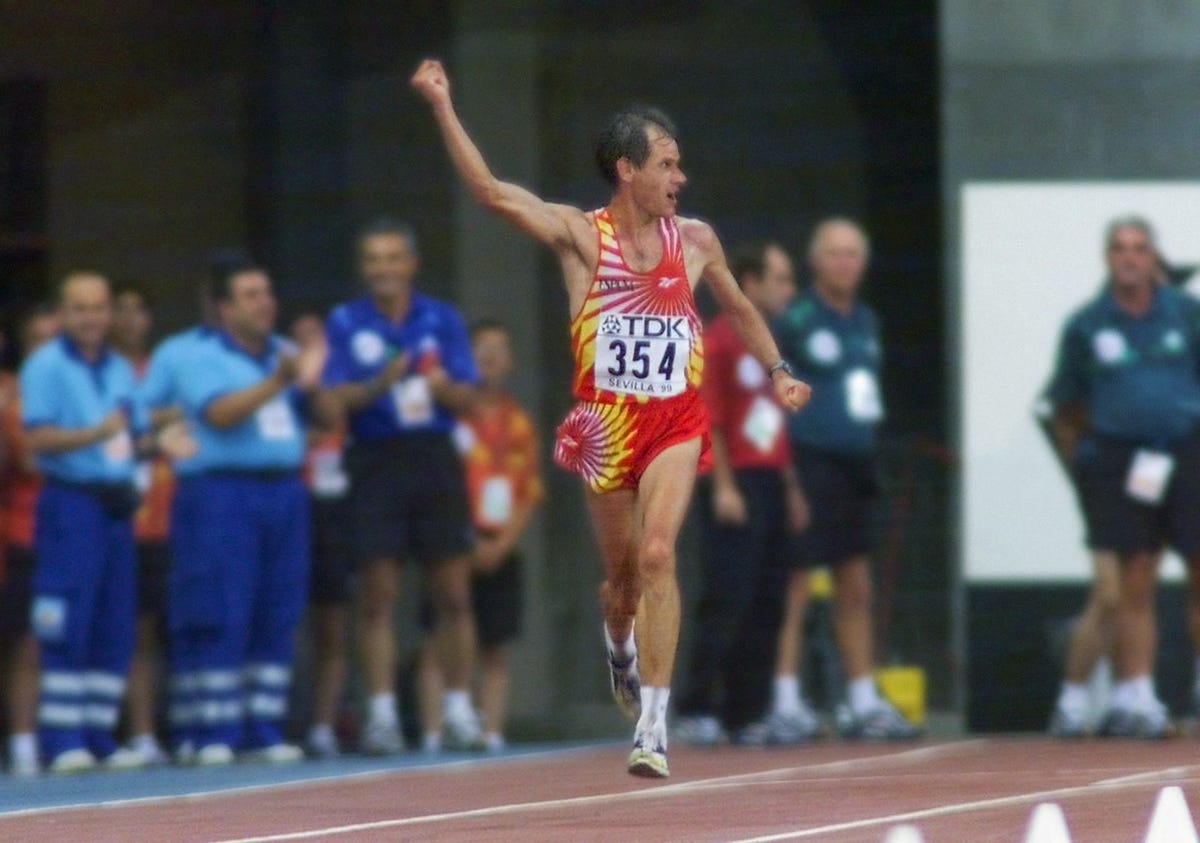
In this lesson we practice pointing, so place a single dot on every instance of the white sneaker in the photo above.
(462, 732)
(793, 726)
(649, 755)
(124, 759)
(323, 746)
(24, 768)
(213, 755)
(276, 753)
(381, 739)
(626, 684)
(701, 730)
(185, 754)
(152, 754)
(72, 761)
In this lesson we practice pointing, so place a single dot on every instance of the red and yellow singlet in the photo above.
(638, 362)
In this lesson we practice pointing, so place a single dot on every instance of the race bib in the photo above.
(1149, 474)
(413, 401)
(496, 501)
(863, 402)
(329, 480)
(763, 424)
(642, 353)
(118, 448)
(275, 421)
(142, 474)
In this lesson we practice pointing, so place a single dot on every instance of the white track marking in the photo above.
(905, 756)
(950, 809)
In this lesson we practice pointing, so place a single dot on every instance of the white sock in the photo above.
(623, 651)
(1124, 694)
(1074, 698)
(493, 741)
(654, 712)
(321, 734)
(145, 742)
(456, 703)
(22, 748)
(862, 695)
(431, 742)
(1143, 690)
(383, 709)
(787, 693)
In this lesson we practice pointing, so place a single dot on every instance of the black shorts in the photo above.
(842, 493)
(16, 592)
(408, 499)
(153, 568)
(1121, 524)
(332, 552)
(496, 603)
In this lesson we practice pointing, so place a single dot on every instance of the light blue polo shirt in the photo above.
(168, 367)
(60, 388)
(271, 439)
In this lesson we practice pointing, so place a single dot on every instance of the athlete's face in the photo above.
(250, 310)
(387, 263)
(493, 357)
(656, 185)
(839, 258)
(86, 311)
(1131, 258)
(777, 287)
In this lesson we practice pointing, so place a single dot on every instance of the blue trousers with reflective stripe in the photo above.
(84, 607)
(237, 591)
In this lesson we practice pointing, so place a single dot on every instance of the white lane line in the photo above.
(950, 809)
(904, 757)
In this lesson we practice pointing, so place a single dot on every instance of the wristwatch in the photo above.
(781, 366)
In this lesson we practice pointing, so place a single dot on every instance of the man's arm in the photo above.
(744, 317)
(233, 408)
(545, 222)
(48, 439)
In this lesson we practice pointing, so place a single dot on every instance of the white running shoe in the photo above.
(381, 739)
(793, 726)
(213, 755)
(649, 756)
(72, 761)
(626, 684)
(698, 730)
(276, 753)
(124, 758)
(151, 753)
(462, 732)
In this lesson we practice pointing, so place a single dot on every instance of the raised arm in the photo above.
(550, 224)
(701, 241)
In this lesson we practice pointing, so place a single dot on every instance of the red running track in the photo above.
(966, 791)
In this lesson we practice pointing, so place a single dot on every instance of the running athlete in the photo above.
(639, 432)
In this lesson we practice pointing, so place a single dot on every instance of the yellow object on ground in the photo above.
(904, 687)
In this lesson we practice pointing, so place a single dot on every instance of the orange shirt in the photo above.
(19, 484)
(637, 336)
(156, 482)
(500, 454)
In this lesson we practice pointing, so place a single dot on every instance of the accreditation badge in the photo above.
(496, 501)
(1149, 474)
(413, 401)
(119, 448)
(863, 401)
(763, 424)
(275, 420)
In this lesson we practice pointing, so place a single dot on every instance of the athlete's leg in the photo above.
(1092, 635)
(663, 496)
(612, 517)
(852, 616)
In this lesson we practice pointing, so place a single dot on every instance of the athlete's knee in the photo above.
(656, 558)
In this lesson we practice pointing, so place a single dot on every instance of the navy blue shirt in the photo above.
(361, 342)
(271, 438)
(62, 389)
(1136, 375)
(839, 356)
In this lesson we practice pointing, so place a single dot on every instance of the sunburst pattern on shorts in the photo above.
(594, 441)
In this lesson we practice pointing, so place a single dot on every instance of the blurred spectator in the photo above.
(751, 508)
(400, 364)
(19, 488)
(80, 413)
(240, 576)
(1124, 403)
(832, 339)
(332, 571)
(132, 322)
(500, 452)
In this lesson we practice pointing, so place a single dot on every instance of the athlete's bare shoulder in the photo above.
(701, 246)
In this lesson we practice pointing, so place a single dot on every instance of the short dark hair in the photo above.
(749, 259)
(389, 225)
(480, 326)
(223, 265)
(625, 137)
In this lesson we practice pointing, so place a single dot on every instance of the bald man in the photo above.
(832, 340)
